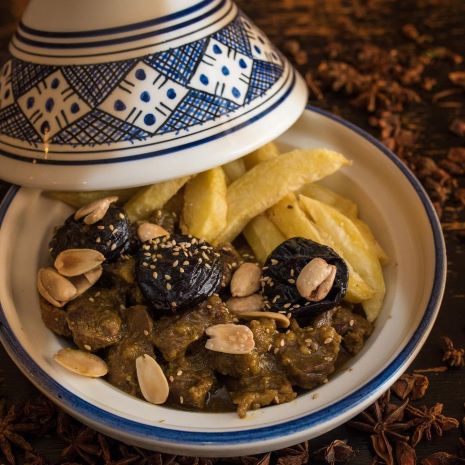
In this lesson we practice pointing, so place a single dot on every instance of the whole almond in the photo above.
(148, 231)
(246, 280)
(81, 362)
(95, 211)
(252, 303)
(152, 381)
(74, 262)
(53, 287)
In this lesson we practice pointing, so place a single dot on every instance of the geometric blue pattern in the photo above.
(235, 37)
(15, 124)
(98, 127)
(30, 76)
(138, 98)
(94, 82)
(179, 63)
(196, 108)
(264, 75)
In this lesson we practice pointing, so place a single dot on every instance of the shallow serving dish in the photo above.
(391, 200)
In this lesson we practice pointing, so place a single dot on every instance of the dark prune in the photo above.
(110, 235)
(178, 271)
(282, 268)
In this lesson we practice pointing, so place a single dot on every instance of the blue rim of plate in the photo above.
(174, 436)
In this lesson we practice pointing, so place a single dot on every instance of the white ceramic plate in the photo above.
(391, 200)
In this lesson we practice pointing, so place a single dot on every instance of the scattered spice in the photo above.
(442, 458)
(411, 386)
(405, 453)
(11, 431)
(336, 452)
(384, 421)
(296, 455)
(441, 369)
(428, 421)
(452, 356)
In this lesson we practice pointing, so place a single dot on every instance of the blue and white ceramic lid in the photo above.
(114, 93)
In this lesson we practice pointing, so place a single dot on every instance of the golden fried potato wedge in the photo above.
(264, 153)
(234, 170)
(268, 182)
(292, 221)
(347, 239)
(371, 241)
(205, 207)
(79, 199)
(262, 236)
(316, 191)
(152, 197)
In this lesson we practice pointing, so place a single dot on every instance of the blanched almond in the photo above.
(74, 262)
(281, 320)
(53, 287)
(152, 381)
(85, 281)
(251, 303)
(81, 362)
(230, 338)
(95, 211)
(246, 280)
(316, 279)
(149, 231)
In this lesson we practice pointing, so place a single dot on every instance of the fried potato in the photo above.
(323, 194)
(347, 239)
(205, 207)
(268, 182)
(371, 241)
(262, 236)
(264, 153)
(79, 199)
(292, 221)
(234, 170)
(152, 197)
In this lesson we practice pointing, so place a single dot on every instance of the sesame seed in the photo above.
(291, 281)
(351, 323)
(155, 275)
(121, 216)
(167, 277)
(87, 347)
(179, 373)
(275, 351)
(146, 333)
(181, 399)
(145, 264)
(100, 227)
(98, 240)
(168, 286)
(328, 340)
(113, 246)
(147, 254)
(292, 272)
(205, 256)
(171, 378)
(274, 261)
(281, 342)
(287, 305)
(185, 263)
(173, 304)
(175, 263)
(181, 270)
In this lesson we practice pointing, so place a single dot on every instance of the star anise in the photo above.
(146, 457)
(33, 458)
(452, 356)
(412, 386)
(336, 452)
(11, 429)
(296, 455)
(442, 458)
(428, 421)
(384, 421)
(80, 441)
(42, 413)
(405, 454)
(126, 455)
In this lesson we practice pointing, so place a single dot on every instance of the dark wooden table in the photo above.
(312, 32)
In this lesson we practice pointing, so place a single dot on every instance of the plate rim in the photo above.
(280, 431)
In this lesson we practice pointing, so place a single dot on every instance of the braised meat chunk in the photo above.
(54, 318)
(307, 355)
(173, 334)
(254, 392)
(121, 357)
(353, 328)
(94, 319)
(191, 380)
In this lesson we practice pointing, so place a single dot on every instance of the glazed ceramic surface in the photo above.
(391, 200)
(114, 94)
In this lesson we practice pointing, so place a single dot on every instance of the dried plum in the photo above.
(178, 271)
(284, 265)
(110, 235)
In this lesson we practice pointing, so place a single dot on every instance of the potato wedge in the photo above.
(79, 199)
(347, 239)
(262, 236)
(371, 241)
(292, 222)
(264, 153)
(152, 197)
(268, 182)
(234, 170)
(323, 194)
(205, 207)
